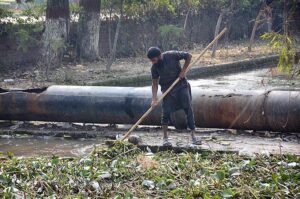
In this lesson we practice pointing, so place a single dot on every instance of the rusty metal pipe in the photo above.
(252, 110)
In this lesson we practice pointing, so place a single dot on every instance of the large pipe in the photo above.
(254, 110)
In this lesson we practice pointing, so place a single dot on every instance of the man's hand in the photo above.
(182, 74)
(185, 66)
(154, 102)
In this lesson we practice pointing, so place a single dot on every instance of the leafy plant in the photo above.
(117, 172)
(5, 13)
(170, 36)
(35, 12)
(285, 46)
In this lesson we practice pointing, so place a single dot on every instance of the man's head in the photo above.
(154, 54)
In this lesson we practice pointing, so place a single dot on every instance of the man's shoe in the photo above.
(196, 140)
(166, 142)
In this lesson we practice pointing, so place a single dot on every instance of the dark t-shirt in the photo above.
(168, 69)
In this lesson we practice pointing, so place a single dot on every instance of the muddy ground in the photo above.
(86, 73)
(66, 139)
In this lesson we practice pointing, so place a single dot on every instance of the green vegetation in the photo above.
(124, 171)
(286, 47)
(170, 36)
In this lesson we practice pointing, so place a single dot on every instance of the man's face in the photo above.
(155, 60)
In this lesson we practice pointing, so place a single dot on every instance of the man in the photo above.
(165, 70)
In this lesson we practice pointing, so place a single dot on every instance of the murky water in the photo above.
(47, 146)
(256, 79)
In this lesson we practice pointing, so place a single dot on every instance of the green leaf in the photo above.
(284, 177)
(10, 155)
(55, 161)
(219, 175)
(228, 193)
(297, 177)
(206, 196)
(275, 177)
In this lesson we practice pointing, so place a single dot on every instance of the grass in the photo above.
(6, 2)
(124, 171)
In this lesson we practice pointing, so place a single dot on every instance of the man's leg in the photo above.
(191, 124)
(165, 130)
(185, 98)
(166, 107)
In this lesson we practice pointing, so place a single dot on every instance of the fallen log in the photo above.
(277, 110)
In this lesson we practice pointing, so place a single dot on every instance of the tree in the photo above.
(284, 43)
(88, 31)
(264, 14)
(228, 12)
(55, 34)
(217, 30)
(112, 54)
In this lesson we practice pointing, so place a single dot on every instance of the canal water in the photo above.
(47, 146)
(263, 79)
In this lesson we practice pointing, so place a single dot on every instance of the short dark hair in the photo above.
(153, 52)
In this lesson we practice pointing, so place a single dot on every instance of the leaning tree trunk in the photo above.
(257, 21)
(56, 33)
(217, 30)
(229, 14)
(89, 22)
(186, 19)
(113, 52)
(228, 22)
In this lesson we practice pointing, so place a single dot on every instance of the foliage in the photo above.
(170, 35)
(5, 13)
(170, 30)
(142, 8)
(24, 38)
(36, 11)
(286, 48)
(29, 25)
(75, 9)
(119, 172)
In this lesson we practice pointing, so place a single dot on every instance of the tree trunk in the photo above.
(229, 13)
(228, 22)
(56, 33)
(109, 29)
(217, 30)
(113, 52)
(186, 19)
(257, 20)
(89, 23)
(269, 18)
(285, 17)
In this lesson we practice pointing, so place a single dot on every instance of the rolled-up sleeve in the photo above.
(182, 55)
(154, 72)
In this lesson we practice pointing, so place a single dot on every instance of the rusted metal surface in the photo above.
(253, 110)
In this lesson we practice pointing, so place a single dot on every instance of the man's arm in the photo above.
(154, 92)
(185, 66)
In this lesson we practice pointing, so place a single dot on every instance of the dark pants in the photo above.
(178, 99)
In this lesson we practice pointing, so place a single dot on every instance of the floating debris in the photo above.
(118, 170)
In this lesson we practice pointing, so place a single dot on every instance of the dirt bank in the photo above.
(87, 73)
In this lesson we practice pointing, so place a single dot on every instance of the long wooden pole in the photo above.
(172, 86)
